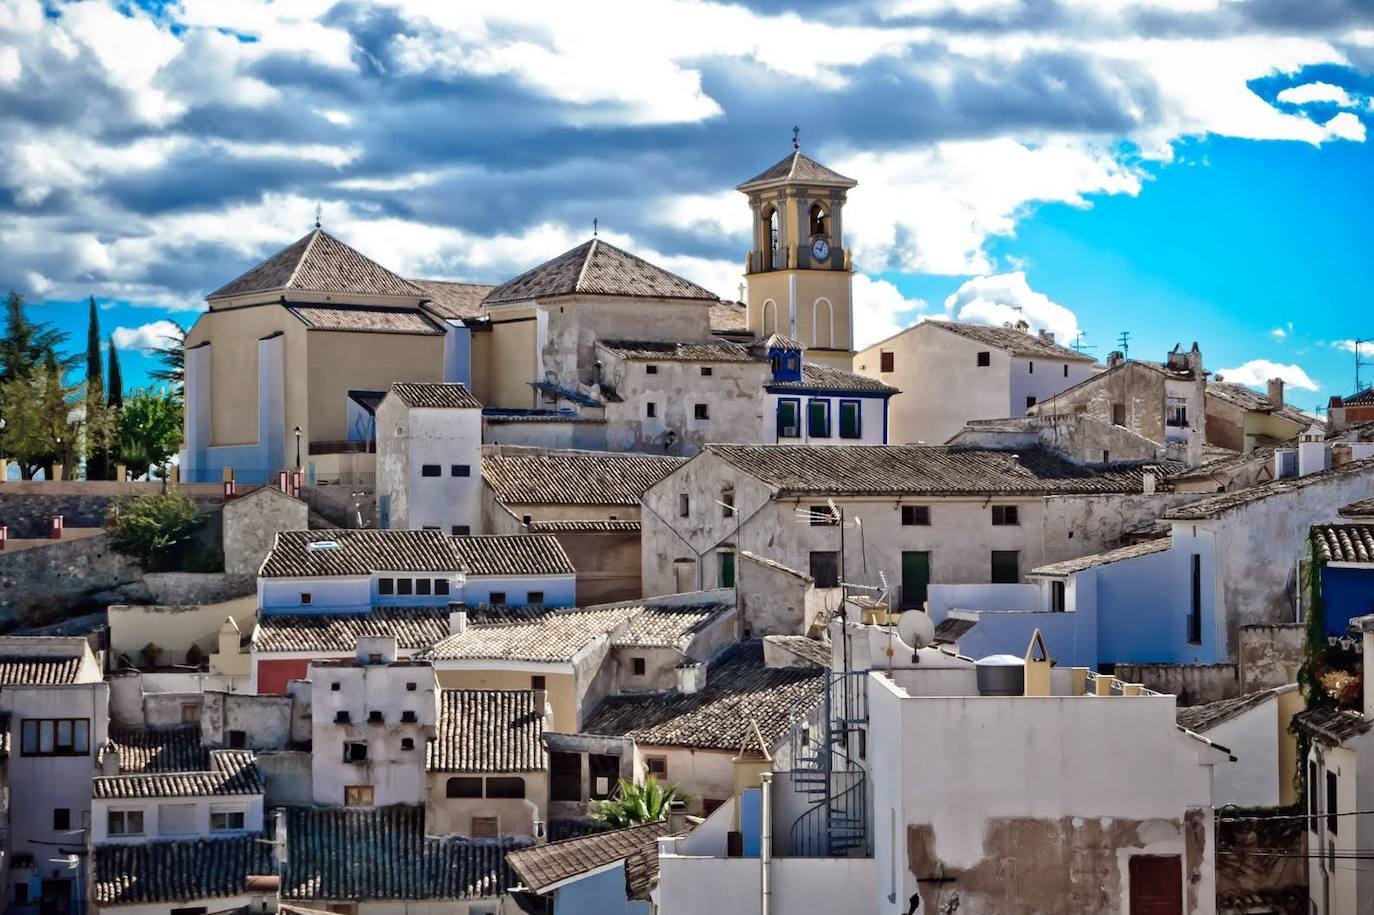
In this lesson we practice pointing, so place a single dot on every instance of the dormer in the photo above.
(784, 356)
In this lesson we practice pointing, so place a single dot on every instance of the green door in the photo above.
(915, 577)
(727, 570)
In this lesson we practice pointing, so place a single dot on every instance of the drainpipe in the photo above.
(765, 842)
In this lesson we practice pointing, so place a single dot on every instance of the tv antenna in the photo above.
(1079, 346)
(1123, 340)
(1361, 362)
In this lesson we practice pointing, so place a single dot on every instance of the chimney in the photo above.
(457, 619)
(376, 649)
(1149, 482)
(230, 638)
(1115, 358)
(1275, 392)
(677, 816)
(1023, 325)
(691, 677)
(1335, 417)
(109, 762)
(1047, 336)
(1312, 456)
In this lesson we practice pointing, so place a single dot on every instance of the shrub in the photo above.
(151, 528)
(194, 655)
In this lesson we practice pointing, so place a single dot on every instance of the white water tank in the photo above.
(1001, 675)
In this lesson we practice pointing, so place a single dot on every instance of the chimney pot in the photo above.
(457, 622)
(1275, 392)
(677, 816)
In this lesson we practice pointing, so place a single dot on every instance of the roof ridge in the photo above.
(586, 261)
(309, 246)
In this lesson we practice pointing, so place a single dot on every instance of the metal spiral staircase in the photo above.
(827, 773)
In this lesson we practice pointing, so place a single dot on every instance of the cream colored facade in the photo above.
(561, 686)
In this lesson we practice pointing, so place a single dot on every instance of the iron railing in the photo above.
(827, 770)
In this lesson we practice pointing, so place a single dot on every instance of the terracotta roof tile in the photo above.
(513, 554)
(547, 635)
(809, 649)
(1202, 718)
(173, 749)
(543, 866)
(295, 554)
(413, 627)
(797, 167)
(659, 625)
(827, 378)
(1082, 563)
(574, 477)
(1332, 726)
(231, 772)
(160, 872)
(1017, 342)
(455, 300)
(435, 395)
(597, 268)
(1218, 505)
(1361, 509)
(18, 669)
(488, 730)
(660, 351)
(729, 317)
(319, 262)
(361, 319)
(1344, 542)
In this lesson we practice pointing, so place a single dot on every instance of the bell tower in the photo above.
(798, 274)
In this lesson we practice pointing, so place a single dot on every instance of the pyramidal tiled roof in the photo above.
(797, 167)
(597, 268)
(319, 262)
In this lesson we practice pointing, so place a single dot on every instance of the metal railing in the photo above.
(826, 771)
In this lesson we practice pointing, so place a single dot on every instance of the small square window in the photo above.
(226, 820)
(887, 361)
(430, 470)
(441, 586)
(651, 409)
(984, 359)
(1005, 515)
(422, 586)
(537, 681)
(497, 598)
(701, 411)
(354, 752)
(386, 586)
(1030, 401)
(460, 470)
(237, 740)
(335, 686)
(485, 828)
(656, 766)
(407, 743)
(461, 530)
(404, 586)
(306, 597)
(707, 371)
(61, 818)
(650, 369)
(410, 686)
(637, 666)
(358, 795)
(916, 515)
(684, 505)
(535, 597)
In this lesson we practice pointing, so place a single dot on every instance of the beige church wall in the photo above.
(576, 323)
(481, 366)
(511, 359)
(811, 285)
(341, 361)
(234, 337)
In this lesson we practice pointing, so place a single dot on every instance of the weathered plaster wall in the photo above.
(1137, 388)
(575, 323)
(773, 599)
(1270, 655)
(515, 816)
(1260, 854)
(45, 584)
(264, 720)
(1193, 684)
(182, 588)
(252, 522)
(174, 628)
(286, 778)
(410, 438)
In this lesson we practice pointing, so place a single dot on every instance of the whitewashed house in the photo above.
(429, 458)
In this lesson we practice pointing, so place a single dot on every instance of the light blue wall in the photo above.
(458, 354)
(1070, 637)
(751, 820)
(1143, 606)
(599, 894)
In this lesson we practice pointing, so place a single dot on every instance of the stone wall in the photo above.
(251, 525)
(26, 508)
(1262, 856)
(187, 588)
(48, 583)
(1270, 654)
(1193, 684)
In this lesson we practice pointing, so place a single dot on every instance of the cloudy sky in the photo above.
(1178, 169)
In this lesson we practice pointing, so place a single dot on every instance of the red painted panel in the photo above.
(274, 674)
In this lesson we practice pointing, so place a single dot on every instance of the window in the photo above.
(1056, 597)
(463, 787)
(1313, 808)
(422, 586)
(354, 752)
(237, 740)
(1006, 567)
(789, 423)
(189, 910)
(656, 766)
(1106, 456)
(825, 568)
(125, 823)
(1066, 370)
(817, 220)
(1195, 607)
(851, 419)
(637, 666)
(1119, 414)
(505, 786)
(1030, 401)
(887, 361)
(335, 687)
(497, 598)
(1176, 411)
(407, 744)
(1332, 818)
(984, 359)
(916, 515)
(306, 597)
(684, 505)
(818, 418)
(430, 470)
(357, 795)
(535, 597)
(375, 716)
(404, 586)
(408, 716)
(61, 818)
(460, 530)
(707, 371)
(822, 516)
(650, 370)
(915, 578)
(190, 713)
(1030, 368)
(727, 503)
(460, 470)
(55, 737)
(225, 820)
(725, 567)
(538, 682)
(1005, 515)
(565, 776)
(701, 411)
(410, 686)
(651, 409)
(386, 586)
(485, 828)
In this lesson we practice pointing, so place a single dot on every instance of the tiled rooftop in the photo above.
(1082, 563)
(543, 866)
(382, 853)
(1332, 726)
(586, 526)
(1202, 718)
(1344, 542)
(15, 670)
(413, 627)
(826, 378)
(364, 319)
(513, 554)
(436, 395)
(924, 470)
(1218, 505)
(1361, 509)
(574, 477)
(550, 635)
(658, 625)
(597, 268)
(1014, 341)
(177, 872)
(455, 300)
(657, 351)
(739, 687)
(319, 262)
(1249, 399)
(809, 649)
(797, 167)
(729, 318)
(172, 749)
(359, 552)
(231, 772)
(488, 730)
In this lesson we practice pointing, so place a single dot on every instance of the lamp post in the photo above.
(298, 447)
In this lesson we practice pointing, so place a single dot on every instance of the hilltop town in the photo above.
(594, 592)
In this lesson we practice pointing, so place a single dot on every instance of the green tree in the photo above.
(149, 429)
(43, 419)
(116, 385)
(172, 355)
(25, 343)
(97, 421)
(634, 805)
(153, 528)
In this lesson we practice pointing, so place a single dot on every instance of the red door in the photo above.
(1156, 885)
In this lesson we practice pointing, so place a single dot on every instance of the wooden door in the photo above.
(1156, 885)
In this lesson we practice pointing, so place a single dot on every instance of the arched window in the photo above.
(770, 318)
(460, 786)
(771, 239)
(823, 332)
(820, 225)
(505, 786)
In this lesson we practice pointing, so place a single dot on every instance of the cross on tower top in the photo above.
(796, 143)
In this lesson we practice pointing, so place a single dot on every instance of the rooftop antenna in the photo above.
(1123, 340)
(1361, 363)
(317, 215)
(595, 222)
(1079, 346)
(796, 132)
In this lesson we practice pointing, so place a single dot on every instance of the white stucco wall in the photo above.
(154, 830)
(410, 438)
(1253, 738)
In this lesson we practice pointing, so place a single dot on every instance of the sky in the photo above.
(1178, 170)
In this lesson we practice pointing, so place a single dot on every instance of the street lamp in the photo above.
(298, 447)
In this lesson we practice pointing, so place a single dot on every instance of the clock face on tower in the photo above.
(820, 249)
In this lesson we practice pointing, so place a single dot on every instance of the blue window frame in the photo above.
(818, 418)
(789, 417)
(851, 419)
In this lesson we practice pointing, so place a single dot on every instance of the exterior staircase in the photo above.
(826, 772)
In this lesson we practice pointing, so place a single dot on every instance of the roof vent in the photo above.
(321, 546)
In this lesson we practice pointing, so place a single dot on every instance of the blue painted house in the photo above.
(1343, 566)
(605, 873)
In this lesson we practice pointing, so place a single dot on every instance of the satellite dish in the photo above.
(916, 629)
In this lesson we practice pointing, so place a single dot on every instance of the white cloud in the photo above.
(1257, 372)
(1006, 298)
(1281, 333)
(881, 310)
(1346, 126)
(146, 337)
(1310, 93)
(334, 116)
(1366, 347)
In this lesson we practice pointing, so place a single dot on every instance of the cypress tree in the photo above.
(116, 385)
(97, 454)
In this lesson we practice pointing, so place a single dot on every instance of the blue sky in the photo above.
(1179, 169)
